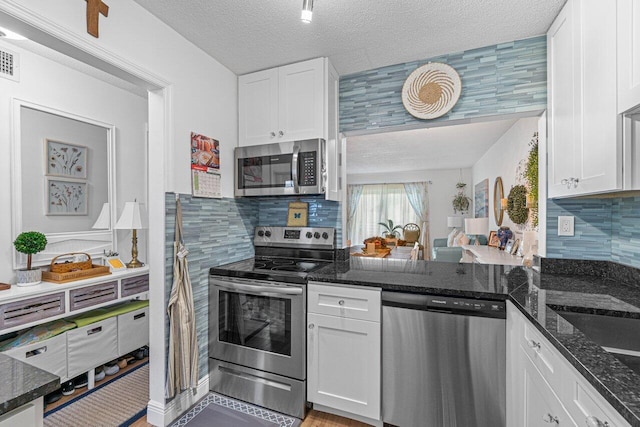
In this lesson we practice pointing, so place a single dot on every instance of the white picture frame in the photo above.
(65, 160)
(66, 197)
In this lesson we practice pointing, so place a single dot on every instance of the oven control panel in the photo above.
(295, 237)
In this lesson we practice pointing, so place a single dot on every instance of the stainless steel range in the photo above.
(257, 314)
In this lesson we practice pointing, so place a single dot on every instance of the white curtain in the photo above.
(353, 198)
(379, 203)
(418, 195)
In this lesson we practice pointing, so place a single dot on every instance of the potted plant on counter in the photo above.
(390, 230)
(29, 243)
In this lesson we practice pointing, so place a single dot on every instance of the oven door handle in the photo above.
(294, 168)
(258, 289)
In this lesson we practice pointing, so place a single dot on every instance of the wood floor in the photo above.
(313, 419)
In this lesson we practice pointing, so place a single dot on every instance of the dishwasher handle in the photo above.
(445, 304)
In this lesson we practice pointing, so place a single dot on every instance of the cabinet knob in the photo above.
(595, 422)
(550, 419)
(534, 345)
(311, 326)
(569, 182)
(280, 133)
(341, 302)
(272, 134)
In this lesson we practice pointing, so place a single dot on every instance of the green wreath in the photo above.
(517, 204)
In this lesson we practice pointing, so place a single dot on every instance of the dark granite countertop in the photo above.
(589, 287)
(22, 383)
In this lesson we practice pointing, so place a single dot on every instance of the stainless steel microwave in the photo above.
(285, 168)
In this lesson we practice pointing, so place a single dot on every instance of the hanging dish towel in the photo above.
(183, 343)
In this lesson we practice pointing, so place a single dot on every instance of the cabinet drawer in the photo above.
(50, 355)
(133, 330)
(92, 345)
(31, 310)
(134, 285)
(354, 303)
(92, 295)
(585, 404)
(542, 355)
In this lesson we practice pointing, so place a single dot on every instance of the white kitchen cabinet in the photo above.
(335, 144)
(284, 104)
(27, 415)
(585, 132)
(628, 54)
(543, 386)
(343, 351)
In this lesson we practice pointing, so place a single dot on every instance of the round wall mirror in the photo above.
(498, 195)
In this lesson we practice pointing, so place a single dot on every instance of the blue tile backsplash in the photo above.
(605, 229)
(216, 231)
(499, 79)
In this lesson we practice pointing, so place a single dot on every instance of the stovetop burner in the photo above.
(284, 254)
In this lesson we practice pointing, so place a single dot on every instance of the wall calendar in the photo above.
(205, 166)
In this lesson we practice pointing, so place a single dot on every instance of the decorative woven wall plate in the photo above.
(431, 90)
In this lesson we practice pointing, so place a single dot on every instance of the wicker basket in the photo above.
(66, 267)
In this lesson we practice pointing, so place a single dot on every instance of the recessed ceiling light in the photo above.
(8, 34)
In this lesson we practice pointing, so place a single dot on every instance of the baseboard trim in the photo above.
(163, 415)
(366, 420)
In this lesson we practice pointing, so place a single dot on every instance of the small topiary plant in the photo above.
(29, 243)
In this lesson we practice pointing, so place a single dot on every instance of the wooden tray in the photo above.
(380, 253)
(95, 271)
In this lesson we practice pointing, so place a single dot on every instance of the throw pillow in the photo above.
(451, 236)
(462, 239)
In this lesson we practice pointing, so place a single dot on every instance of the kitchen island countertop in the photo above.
(587, 287)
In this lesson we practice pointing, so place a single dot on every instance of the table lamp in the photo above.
(476, 227)
(104, 219)
(133, 218)
(454, 221)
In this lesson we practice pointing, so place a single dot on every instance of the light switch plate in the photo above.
(566, 225)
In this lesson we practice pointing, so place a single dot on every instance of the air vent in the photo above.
(9, 65)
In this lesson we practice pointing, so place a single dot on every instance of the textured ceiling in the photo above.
(446, 147)
(356, 35)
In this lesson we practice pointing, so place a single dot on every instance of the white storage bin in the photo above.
(133, 330)
(91, 345)
(50, 355)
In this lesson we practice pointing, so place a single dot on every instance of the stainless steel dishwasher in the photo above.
(443, 360)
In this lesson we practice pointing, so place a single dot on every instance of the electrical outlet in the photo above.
(565, 225)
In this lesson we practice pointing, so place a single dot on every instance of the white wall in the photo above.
(441, 192)
(501, 160)
(199, 95)
(50, 84)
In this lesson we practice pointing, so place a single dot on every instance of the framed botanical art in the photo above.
(64, 197)
(66, 160)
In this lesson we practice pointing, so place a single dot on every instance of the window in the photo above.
(378, 203)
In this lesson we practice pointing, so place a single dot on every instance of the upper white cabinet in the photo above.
(286, 103)
(585, 132)
(628, 54)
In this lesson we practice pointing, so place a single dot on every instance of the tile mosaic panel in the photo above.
(216, 231)
(625, 222)
(592, 237)
(500, 79)
(322, 213)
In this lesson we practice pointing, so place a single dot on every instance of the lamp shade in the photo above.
(134, 217)
(104, 219)
(454, 221)
(476, 226)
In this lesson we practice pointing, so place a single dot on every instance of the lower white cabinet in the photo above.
(343, 357)
(537, 402)
(28, 415)
(543, 388)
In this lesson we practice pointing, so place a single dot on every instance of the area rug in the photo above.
(116, 403)
(220, 411)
